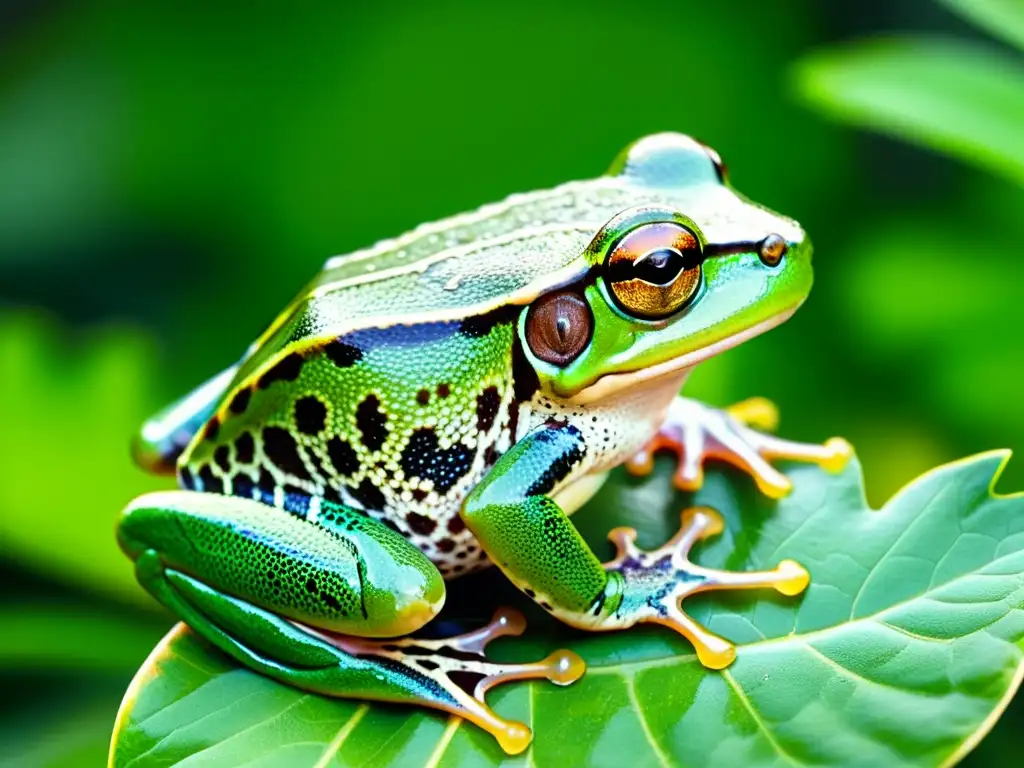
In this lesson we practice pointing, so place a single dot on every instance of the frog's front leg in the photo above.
(697, 432)
(530, 538)
(275, 592)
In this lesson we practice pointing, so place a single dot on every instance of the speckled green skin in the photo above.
(393, 427)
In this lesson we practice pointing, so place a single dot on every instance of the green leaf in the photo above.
(957, 98)
(904, 650)
(1002, 18)
(74, 401)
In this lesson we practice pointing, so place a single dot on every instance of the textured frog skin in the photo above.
(360, 421)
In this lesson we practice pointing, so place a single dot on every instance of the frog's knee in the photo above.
(346, 574)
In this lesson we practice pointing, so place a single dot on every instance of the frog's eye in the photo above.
(558, 327)
(654, 270)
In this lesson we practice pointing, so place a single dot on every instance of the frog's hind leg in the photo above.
(273, 591)
(166, 434)
(696, 432)
(655, 583)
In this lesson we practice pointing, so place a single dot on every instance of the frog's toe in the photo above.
(655, 583)
(696, 433)
(459, 667)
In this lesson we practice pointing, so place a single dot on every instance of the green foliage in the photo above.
(61, 490)
(966, 100)
(1003, 18)
(905, 648)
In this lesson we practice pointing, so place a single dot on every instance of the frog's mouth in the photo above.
(613, 383)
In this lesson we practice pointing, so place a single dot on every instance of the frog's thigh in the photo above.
(345, 572)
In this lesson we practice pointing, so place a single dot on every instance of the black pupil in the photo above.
(659, 267)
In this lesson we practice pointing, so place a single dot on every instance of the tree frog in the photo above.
(441, 402)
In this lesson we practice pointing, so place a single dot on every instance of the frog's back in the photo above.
(501, 254)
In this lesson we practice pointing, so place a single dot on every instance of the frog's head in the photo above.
(692, 270)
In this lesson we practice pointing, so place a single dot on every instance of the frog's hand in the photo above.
(210, 544)
(528, 536)
(696, 433)
(165, 435)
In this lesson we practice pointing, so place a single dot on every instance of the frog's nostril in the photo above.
(773, 248)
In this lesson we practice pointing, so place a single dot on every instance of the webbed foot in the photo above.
(655, 583)
(458, 665)
(696, 432)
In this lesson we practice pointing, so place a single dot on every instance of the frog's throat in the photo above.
(612, 383)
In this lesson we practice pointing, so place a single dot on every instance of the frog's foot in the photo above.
(655, 583)
(696, 432)
(458, 665)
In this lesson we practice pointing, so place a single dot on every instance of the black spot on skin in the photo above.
(456, 525)
(311, 586)
(240, 401)
(286, 369)
(530, 593)
(266, 485)
(524, 378)
(443, 390)
(245, 448)
(310, 415)
(242, 485)
(223, 458)
(481, 325)
(281, 449)
(372, 422)
(424, 459)
(211, 483)
(420, 524)
(342, 456)
(513, 420)
(369, 495)
(212, 428)
(487, 404)
(330, 494)
(330, 601)
(491, 456)
(445, 545)
(462, 555)
(427, 664)
(185, 479)
(419, 494)
(343, 355)
(570, 451)
(423, 397)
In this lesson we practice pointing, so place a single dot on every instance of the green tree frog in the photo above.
(441, 402)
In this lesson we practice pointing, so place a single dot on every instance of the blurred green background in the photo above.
(170, 175)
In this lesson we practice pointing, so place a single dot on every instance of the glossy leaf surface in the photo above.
(904, 649)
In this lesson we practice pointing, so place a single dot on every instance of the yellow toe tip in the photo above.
(841, 451)
(706, 520)
(716, 658)
(565, 667)
(515, 738)
(793, 578)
